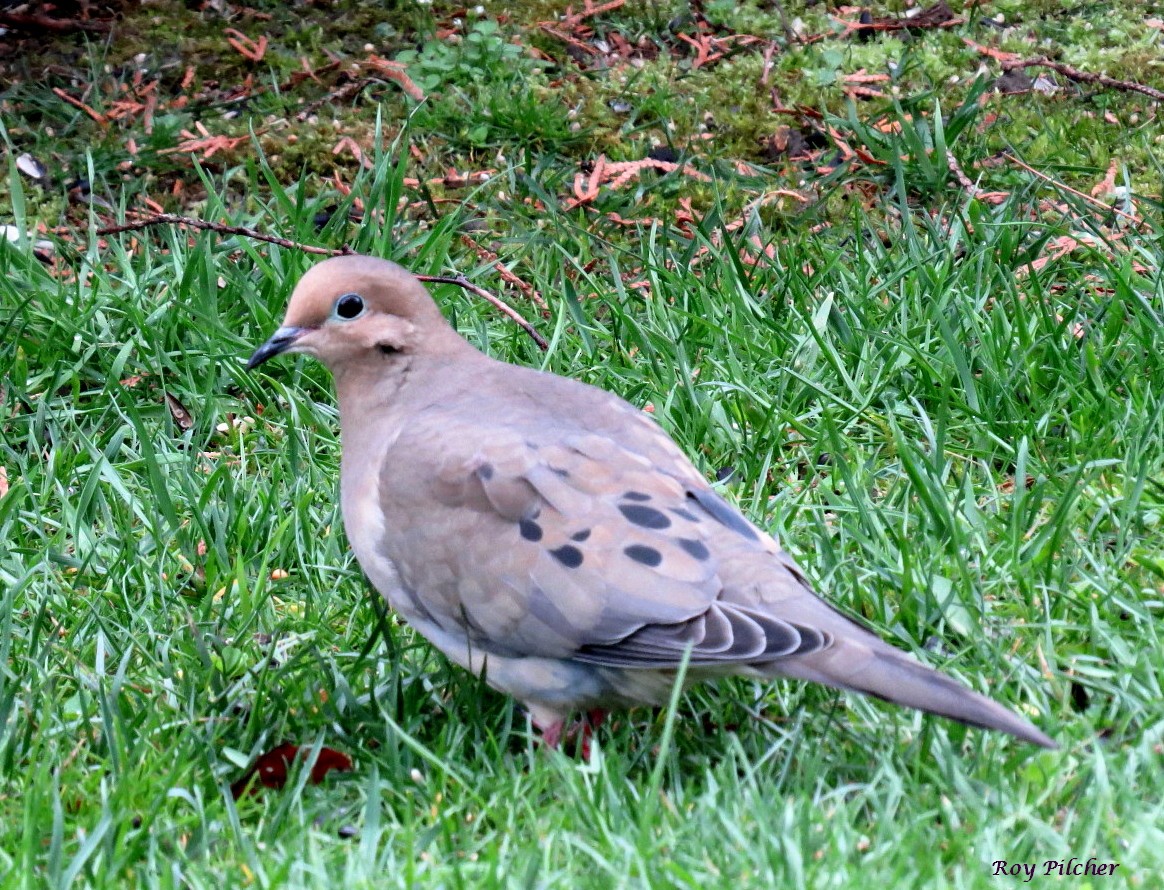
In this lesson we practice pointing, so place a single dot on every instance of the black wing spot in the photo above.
(685, 514)
(485, 471)
(568, 555)
(530, 530)
(647, 517)
(636, 496)
(695, 549)
(648, 556)
(723, 513)
(580, 536)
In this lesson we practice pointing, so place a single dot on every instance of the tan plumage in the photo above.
(551, 535)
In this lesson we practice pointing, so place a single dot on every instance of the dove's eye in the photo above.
(349, 306)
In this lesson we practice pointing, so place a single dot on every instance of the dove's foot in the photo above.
(555, 732)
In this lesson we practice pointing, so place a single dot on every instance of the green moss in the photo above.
(491, 98)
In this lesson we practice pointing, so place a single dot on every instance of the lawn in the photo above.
(899, 296)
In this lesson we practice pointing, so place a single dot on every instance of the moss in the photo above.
(491, 98)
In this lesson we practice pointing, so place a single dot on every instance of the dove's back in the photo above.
(555, 535)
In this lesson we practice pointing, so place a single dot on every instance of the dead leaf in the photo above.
(272, 768)
(1106, 185)
(616, 175)
(997, 54)
(246, 47)
(3, 481)
(572, 18)
(348, 144)
(398, 74)
(204, 143)
(77, 103)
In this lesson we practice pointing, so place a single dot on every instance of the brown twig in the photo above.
(397, 73)
(459, 280)
(1078, 76)
(32, 22)
(769, 51)
(463, 282)
(960, 175)
(937, 16)
(572, 19)
(77, 103)
(505, 272)
(1067, 188)
(581, 47)
(162, 219)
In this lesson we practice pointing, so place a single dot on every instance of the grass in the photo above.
(954, 425)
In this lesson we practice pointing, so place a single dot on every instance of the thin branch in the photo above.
(960, 175)
(77, 103)
(769, 51)
(205, 225)
(1078, 76)
(505, 272)
(572, 19)
(969, 186)
(162, 219)
(463, 282)
(1067, 188)
(35, 22)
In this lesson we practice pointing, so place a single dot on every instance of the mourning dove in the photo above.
(551, 537)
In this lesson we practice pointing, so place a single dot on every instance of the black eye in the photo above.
(349, 306)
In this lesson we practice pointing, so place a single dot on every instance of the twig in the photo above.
(163, 219)
(246, 232)
(960, 175)
(572, 19)
(767, 68)
(1078, 76)
(398, 74)
(549, 28)
(937, 16)
(505, 272)
(77, 103)
(463, 282)
(968, 186)
(1067, 188)
(790, 35)
(32, 22)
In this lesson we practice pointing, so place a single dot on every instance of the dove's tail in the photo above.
(869, 666)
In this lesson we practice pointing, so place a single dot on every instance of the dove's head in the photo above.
(357, 309)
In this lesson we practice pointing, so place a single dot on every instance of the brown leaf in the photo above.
(244, 46)
(1106, 185)
(3, 481)
(398, 74)
(997, 54)
(272, 768)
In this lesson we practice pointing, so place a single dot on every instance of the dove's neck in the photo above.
(377, 398)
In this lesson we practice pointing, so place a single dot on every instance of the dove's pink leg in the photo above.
(585, 728)
(551, 732)
(554, 731)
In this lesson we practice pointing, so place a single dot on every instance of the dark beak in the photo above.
(282, 340)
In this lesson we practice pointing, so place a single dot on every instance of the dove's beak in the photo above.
(282, 340)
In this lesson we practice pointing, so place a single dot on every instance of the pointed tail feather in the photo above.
(876, 669)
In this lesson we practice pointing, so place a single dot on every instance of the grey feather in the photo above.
(550, 535)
